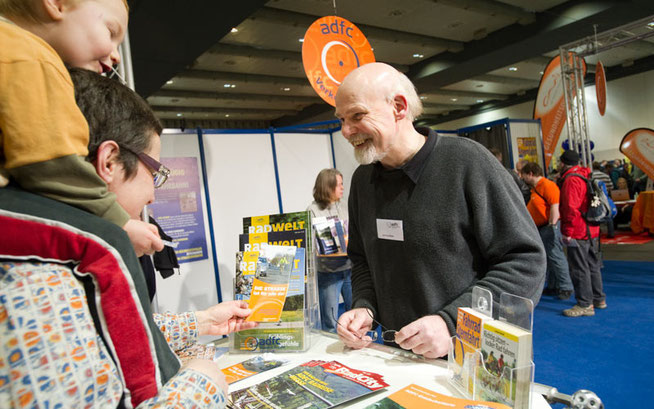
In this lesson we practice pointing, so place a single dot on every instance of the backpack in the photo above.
(614, 209)
(598, 202)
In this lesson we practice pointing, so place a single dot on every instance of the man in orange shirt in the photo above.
(543, 207)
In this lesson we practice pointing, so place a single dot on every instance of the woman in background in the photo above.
(334, 270)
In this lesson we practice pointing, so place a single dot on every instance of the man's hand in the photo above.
(427, 336)
(566, 240)
(352, 327)
(224, 318)
(210, 369)
(144, 237)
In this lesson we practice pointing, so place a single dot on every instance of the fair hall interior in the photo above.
(238, 65)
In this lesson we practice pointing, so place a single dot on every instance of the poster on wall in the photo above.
(527, 149)
(178, 209)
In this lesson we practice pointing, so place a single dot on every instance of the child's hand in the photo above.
(144, 237)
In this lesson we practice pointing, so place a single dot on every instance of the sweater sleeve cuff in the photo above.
(451, 324)
(188, 389)
(365, 304)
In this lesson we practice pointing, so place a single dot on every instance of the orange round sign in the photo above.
(332, 48)
(600, 87)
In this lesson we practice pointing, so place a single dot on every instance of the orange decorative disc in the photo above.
(600, 87)
(332, 48)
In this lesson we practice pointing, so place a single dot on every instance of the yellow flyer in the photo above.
(271, 281)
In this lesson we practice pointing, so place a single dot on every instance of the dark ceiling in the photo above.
(476, 54)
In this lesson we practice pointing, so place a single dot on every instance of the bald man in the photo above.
(430, 217)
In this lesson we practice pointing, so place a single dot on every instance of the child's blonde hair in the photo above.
(29, 9)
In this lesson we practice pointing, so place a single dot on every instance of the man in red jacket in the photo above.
(582, 239)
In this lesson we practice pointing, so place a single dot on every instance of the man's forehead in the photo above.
(353, 98)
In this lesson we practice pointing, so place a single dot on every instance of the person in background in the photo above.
(598, 174)
(334, 271)
(605, 179)
(624, 213)
(43, 135)
(544, 210)
(524, 189)
(640, 179)
(582, 240)
(430, 218)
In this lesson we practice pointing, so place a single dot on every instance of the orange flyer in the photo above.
(252, 366)
(414, 396)
(267, 301)
(236, 373)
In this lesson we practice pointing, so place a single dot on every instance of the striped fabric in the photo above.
(599, 175)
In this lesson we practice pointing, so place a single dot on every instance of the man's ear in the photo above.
(54, 8)
(106, 161)
(400, 107)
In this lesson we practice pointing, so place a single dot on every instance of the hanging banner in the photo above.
(332, 48)
(638, 146)
(178, 209)
(600, 87)
(550, 106)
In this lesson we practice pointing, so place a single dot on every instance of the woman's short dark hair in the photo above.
(114, 113)
(325, 186)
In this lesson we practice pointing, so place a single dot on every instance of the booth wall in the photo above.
(629, 105)
(194, 287)
(300, 157)
(242, 183)
(345, 162)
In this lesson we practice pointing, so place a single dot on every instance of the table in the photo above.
(642, 216)
(399, 367)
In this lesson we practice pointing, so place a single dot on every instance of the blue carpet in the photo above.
(609, 353)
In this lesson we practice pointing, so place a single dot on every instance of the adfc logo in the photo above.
(332, 48)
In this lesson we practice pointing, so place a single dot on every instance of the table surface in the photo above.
(398, 367)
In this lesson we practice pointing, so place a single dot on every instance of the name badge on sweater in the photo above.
(390, 229)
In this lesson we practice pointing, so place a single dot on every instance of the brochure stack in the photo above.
(492, 360)
(274, 274)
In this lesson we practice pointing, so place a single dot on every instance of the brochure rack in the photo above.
(468, 372)
(291, 334)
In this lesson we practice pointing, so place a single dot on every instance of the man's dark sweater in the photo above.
(464, 224)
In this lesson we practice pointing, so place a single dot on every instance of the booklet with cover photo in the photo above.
(314, 384)
(271, 282)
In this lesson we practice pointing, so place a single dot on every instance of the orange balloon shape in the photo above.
(332, 48)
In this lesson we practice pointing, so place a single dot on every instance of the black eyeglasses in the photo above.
(159, 172)
(388, 335)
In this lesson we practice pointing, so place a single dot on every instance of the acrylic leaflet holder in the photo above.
(499, 368)
(290, 330)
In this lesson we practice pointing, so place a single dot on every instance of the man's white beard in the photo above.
(368, 154)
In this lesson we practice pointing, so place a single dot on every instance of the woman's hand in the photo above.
(224, 318)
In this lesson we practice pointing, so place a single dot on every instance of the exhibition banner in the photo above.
(332, 48)
(178, 209)
(638, 146)
(600, 87)
(550, 106)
